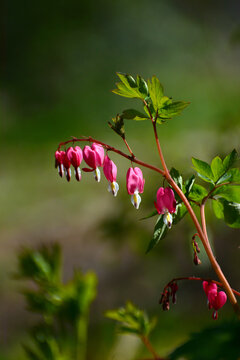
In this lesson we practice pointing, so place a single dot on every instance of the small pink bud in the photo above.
(135, 185)
(59, 161)
(110, 172)
(75, 156)
(196, 259)
(94, 157)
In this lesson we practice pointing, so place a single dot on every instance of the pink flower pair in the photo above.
(64, 160)
(216, 299)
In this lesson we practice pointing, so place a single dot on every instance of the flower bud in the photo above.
(110, 172)
(75, 156)
(135, 185)
(94, 157)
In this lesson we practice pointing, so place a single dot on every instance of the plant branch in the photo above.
(111, 148)
(201, 231)
(194, 278)
(150, 348)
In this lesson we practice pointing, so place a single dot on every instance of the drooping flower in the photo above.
(110, 171)
(75, 156)
(66, 164)
(59, 161)
(166, 204)
(216, 301)
(135, 185)
(209, 286)
(94, 157)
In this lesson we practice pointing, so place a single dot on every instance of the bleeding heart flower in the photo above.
(110, 171)
(66, 165)
(59, 162)
(94, 157)
(216, 301)
(209, 286)
(135, 185)
(75, 156)
(166, 204)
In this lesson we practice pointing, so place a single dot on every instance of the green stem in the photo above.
(81, 332)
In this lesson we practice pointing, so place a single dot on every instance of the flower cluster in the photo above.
(95, 158)
(216, 299)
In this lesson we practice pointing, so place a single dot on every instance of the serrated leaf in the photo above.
(197, 193)
(230, 159)
(160, 231)
(156, 92)
(217, 168)
(189, 184)
(132, 114)
(131, 320)
(203, 169)
(173, 108)
(129, 87)
(228, 192)
(122, 90)
(176, 177)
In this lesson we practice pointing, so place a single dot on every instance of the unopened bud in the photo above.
(196, 259)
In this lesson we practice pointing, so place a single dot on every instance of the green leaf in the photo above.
(218, 341)
(189, 184)
(203, 169)
(142, 86)
(118, 126)
(172, 108)
(229, 211)
(218, 209)
(153, 213)
(132, 114)
(197, 193)
(181, 211)
(156, 92)
(217, 168)
(160, 231)
(176, 177)
(234, 175)
(228, 192)
(230, 159)
(232, 214)
(132, 320)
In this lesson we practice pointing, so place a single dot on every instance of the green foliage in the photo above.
(132, 320)
(197, 193)
(61, 305)
(131, 114)
(203, 169)
(214, 343)
(159, 233)
(157, 106)
(229, 211)
(117, 125)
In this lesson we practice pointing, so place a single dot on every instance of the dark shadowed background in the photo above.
(58, 65)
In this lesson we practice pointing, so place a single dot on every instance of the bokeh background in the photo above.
(58, 65)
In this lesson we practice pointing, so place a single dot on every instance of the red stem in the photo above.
(111, 148)
(198, 279)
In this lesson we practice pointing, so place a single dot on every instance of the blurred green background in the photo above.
(58, 65)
